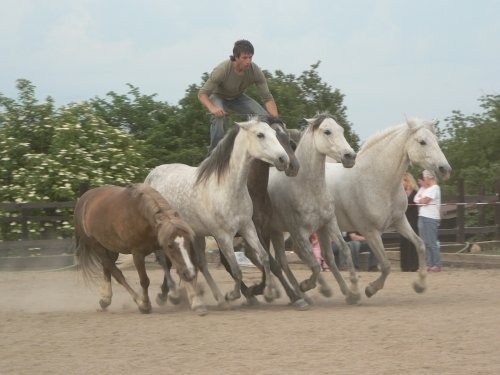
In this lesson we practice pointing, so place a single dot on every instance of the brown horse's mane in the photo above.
(159, 213)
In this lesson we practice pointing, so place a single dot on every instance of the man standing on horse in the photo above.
(225, 89)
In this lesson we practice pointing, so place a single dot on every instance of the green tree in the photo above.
(472, 146)
(305, 96)
(46, 154)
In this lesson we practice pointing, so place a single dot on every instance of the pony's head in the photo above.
(284, 139)
(423, 149)
(262, 143)
(328, 138)
(176, 239)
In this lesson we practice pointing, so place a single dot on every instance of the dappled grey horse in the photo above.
(213, 198)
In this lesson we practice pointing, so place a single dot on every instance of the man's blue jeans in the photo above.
(243, 105)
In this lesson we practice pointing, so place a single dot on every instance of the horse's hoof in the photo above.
(306, 285)
(308, 300)
(370, 291)
(326, 292)
(270, 294)
(145, 309)
(232, 296)
(353, 298)
(160, 299)
(200, 310)
(252, 301)
(300, 305)
(418, 287)
(104, 303)
(175, 298)
(224, 305)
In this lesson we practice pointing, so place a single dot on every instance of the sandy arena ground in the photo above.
(50, 324)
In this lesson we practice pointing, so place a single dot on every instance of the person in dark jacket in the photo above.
(407, 253)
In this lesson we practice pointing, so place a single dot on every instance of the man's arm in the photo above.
(271, 107)
(213, 109)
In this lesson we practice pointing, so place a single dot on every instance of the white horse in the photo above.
(369, 198)
(303, 205)
(214, 198)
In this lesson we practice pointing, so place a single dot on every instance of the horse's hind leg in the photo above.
(106, 290)
(108, 260)
(377, 246)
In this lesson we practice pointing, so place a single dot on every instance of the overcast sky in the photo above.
(390, 59)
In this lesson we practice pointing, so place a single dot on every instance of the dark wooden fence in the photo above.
(452, 229)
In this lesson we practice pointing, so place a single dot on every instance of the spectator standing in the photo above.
(429, 199)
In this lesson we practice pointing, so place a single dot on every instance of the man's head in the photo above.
(242, 46)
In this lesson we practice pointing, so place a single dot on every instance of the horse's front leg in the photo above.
(247, 291)
(404, 228)
(374, 240)
(302, 302)
(199, 248)
(194, 297)
(169, 287)
(352, 294)
(250, 235)
(225, 243)
(305, 253)
(143, 301)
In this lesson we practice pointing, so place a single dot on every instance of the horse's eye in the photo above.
(260, 135)
(327, 132)
(423, 143)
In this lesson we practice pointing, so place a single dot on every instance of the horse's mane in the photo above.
(380, 136)
(158, 212)
(314, 123)
(320, 117)
(218, 160)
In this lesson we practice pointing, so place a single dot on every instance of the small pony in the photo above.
(135, 220)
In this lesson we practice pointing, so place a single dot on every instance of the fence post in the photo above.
(461, 212)
(481, 212)
(24, 224)
(497, 212)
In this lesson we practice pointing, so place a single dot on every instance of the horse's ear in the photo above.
(309, 120)
(413, 124)
(432, 124)
(244, 125)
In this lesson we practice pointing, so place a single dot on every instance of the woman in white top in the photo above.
(429, 199)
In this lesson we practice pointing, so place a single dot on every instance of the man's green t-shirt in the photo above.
(225, 82)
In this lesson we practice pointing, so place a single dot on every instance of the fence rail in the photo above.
(455, 207)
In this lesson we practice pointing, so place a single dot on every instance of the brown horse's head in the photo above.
(176, 239)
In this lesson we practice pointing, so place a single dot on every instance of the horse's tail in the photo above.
(86, 259)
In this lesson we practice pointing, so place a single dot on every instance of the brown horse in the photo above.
(133, 220)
